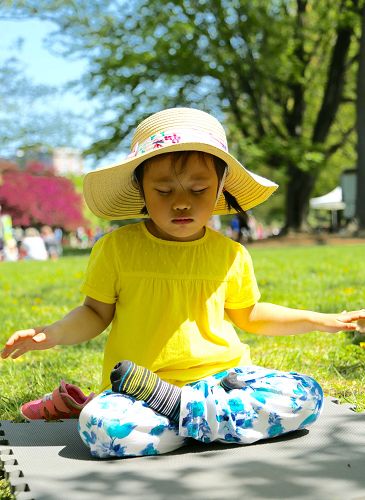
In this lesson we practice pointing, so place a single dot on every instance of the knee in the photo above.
(310, 397)
(105, 420)
(115, 425)
(311, 389)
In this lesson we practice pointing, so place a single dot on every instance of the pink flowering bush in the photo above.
(39, 168)
(33, 200)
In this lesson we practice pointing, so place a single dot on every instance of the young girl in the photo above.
(174, 367)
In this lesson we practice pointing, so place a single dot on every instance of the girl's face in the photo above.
(180, 198)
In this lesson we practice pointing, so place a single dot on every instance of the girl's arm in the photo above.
(82, 323)
(271, 319)
(85, 322)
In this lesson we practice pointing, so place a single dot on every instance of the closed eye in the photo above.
(160, 191)
(199, 191)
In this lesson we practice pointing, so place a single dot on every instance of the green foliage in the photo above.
(248, 60)
(280, 74)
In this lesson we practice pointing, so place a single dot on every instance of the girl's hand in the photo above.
(23, 341)
(345, 321)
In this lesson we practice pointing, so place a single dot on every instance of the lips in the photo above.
(182, 221)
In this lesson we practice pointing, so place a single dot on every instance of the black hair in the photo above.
(219, 165)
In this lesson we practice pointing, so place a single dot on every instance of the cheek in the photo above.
(154, 203)
(210, 201)
(148, 196)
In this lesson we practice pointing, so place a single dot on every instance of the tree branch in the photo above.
(335, 147)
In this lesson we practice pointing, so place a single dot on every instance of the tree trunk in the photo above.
(360, 126)
(301, 183)
(334, 86)
(299, 188)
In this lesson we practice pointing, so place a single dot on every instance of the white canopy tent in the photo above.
(331, 201)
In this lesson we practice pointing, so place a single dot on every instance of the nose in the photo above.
(181, 202)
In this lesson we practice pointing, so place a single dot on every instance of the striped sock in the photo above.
(141, 383)
(230, 382)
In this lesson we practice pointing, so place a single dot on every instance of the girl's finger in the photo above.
(21, 334)
(19, 352)
(5, 353)
(349, 326)
(353, 315)
(9, 347)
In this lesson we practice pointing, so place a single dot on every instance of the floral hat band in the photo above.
(177, 136)
(110, 192)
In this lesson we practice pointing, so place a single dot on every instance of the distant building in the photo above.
(67, 161)
(62, 161)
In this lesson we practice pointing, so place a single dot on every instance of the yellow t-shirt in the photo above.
(170, 299)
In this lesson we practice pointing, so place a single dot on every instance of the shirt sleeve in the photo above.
(242, 289)
(102, 277)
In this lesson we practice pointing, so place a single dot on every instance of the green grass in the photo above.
(34, 294)
(327, 279)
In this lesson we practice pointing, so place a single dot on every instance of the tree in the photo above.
(34, 200)
(280, 73)
(360, 125)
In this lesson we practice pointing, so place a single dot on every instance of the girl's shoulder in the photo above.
(221, 241)
(124, 233)
(116, 240)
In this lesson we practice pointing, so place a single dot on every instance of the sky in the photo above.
(41, 66)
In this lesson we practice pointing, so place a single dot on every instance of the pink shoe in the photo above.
(66, 401)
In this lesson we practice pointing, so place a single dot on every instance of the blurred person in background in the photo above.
(33, 246)
(240, 227)
(58, 234)
(10, 251)
(50, 241)
(82, 237)
(98, 234)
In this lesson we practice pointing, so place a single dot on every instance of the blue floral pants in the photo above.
(270, 403)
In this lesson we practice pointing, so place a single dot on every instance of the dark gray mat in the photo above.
(47, 461)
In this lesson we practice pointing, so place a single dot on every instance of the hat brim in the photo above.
(111, 194)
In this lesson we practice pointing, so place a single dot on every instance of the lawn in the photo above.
(323, 278)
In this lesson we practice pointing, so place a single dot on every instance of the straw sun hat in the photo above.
(110, 192)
